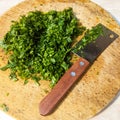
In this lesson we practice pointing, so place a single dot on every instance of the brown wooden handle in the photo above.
(67, 80)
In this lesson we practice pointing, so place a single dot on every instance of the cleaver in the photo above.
(87, 56)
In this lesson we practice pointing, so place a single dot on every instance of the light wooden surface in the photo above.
(94, 91)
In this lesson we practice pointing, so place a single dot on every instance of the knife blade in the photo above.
(87, 56)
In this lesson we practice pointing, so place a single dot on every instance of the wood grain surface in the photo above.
(90, 94)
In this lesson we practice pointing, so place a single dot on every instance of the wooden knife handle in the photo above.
(48, 104)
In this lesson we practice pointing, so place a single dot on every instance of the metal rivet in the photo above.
(82, 63)
(73, 74)
(111, 36)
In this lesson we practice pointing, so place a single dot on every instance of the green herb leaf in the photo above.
(5, 107)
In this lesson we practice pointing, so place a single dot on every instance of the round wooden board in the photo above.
(90, 94)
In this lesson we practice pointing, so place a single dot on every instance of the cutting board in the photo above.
(89, 95)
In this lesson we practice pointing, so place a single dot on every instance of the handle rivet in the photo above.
(82, 63)
(73, 74)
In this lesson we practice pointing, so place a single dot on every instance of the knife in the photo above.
(87, 56)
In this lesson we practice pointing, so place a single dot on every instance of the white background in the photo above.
(113, 7)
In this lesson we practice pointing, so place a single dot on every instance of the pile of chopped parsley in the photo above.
(39, 45)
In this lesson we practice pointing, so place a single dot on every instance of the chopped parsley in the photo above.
(39, 45)
(5, 107)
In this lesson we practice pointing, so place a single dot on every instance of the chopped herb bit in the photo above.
(13, 76)
(46, 91)
(25, 82)
(5, 107)
(7, 94)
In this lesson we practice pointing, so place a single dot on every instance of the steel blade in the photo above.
(94, 49)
